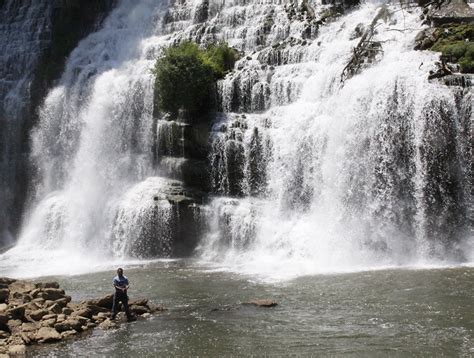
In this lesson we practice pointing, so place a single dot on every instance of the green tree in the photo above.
(186, 76)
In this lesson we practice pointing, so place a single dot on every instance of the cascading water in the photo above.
(370, 171)
(314, 167)
(94, 141)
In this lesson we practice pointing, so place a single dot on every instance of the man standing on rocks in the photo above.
(121, 286)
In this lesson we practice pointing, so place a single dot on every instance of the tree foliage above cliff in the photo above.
(186, 76)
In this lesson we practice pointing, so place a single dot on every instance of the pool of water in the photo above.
(366, 314)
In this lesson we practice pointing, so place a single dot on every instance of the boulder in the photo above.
(156, 308)
(107, 324)
(84, 312)
(74, 324)
(53, 294)
(29, 327)
(97, 309)
(17, 350)
(17, 312)
(63, 327)
(3, 321)
(138, 302)
(4, 294)
(39, 301)
(453, 11)
(47, 334)
(4, 334)
(3, 307)
(48, 322)
(62, 302)
(50, 316)
(261, 303)
(139, 309)
(61, 317)
(38, 314)
(14, 324)
(67, 334)
(67, 311)
(105, 302)
(55, 308)
(27, 337)
(6, 280)
(21, 287)
(82, 320)
(47, 285)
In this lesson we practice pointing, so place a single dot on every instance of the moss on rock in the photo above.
(456, 43)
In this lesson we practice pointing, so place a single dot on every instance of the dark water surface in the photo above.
(395, 313)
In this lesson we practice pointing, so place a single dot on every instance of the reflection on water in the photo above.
(390, 313)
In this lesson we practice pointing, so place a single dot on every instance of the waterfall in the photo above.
(340, 175)
(94, 142)
(313, 165)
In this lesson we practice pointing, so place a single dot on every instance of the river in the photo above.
(398, 313)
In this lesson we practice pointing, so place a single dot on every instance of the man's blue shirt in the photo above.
(120, 281)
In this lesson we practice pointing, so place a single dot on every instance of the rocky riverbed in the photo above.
(41, 312)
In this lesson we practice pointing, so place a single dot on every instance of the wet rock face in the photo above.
(36, 38)
(453, 11)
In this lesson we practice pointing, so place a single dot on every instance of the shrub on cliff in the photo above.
(186, 76)
(456, 41)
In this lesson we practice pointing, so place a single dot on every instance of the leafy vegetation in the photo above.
(186, 76)
(457, 43)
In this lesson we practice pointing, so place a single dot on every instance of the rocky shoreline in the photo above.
(41, 312)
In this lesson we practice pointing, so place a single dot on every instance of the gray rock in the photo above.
(17, 350)
(74, 324)
(49, 316)
(107, 324)
(139, 309)
(4, 294)
(105, 302)
(21, 287)
(17, 312)
(454, 11)
(56, 308)
(29, 327)
(82, 320)
(261, 303)
(47, 334)
(63, 327)
(84, 312)
(38, 314)
(6, 280)
(3, 320)
(48, 322)
(67, 311)
(53, 294)
(67, 334)
(47, 285)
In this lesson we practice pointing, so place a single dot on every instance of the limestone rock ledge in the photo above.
(41, 312)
